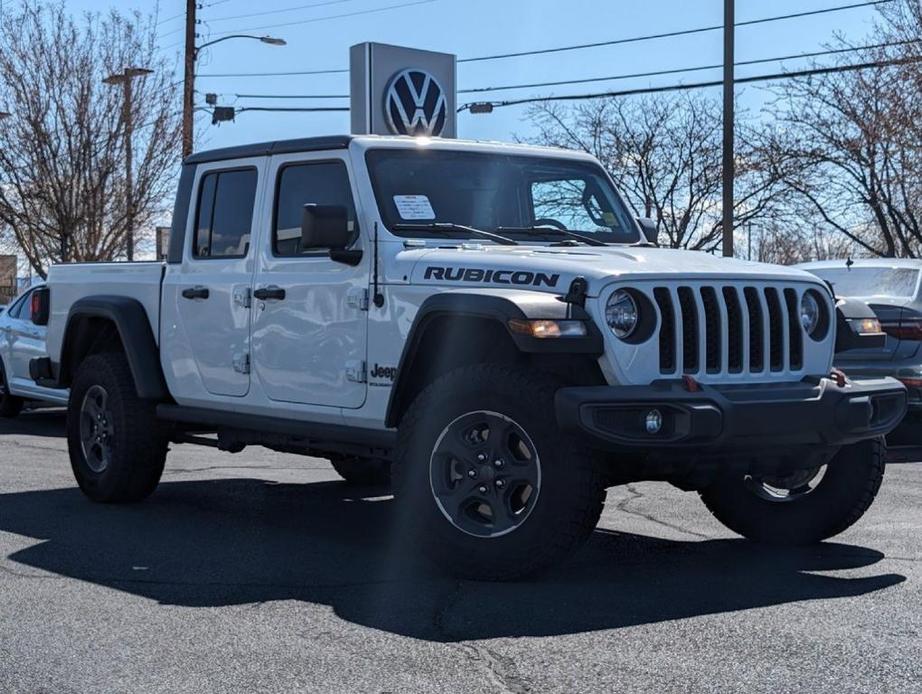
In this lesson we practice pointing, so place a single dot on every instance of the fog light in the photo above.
(653, 421)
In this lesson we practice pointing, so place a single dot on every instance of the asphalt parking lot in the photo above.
(263, 572)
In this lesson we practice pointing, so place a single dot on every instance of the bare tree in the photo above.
(62, 170)
(852, 141)
(665, 155)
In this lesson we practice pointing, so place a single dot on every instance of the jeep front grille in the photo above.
(712, 330)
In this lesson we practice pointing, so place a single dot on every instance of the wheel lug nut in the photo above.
(482, 489)
(471, 473)
(498, 462)
(481, 457)
(500, 484)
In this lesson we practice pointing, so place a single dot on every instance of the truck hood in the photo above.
(550, 268)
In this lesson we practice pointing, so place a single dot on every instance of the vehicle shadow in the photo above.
(236, 541)
(47, 422)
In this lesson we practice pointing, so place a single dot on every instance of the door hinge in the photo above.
(242, 362)
(242, 297)
(358, 299)
(356, 371)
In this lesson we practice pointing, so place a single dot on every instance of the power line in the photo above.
(673, 34)
(293, 109)
(338, 16)
(740, 63)
(277, 74)
(560, 49)
(609, 78)
(626, 92)
(279, 11)
(291, 96)
(701, 85)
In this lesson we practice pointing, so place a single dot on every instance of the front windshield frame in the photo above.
(623, 231)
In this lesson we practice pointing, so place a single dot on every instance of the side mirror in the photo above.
(325, 226)
(648, 227)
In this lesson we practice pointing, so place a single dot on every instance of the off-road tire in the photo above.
(138, 442)
(571, 492)
(847, 489)
(364, 472)
(10, 405)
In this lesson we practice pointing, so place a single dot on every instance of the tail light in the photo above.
(41, 305)
(905, 329)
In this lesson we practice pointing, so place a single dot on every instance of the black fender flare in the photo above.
(501, 309)
(133, 326)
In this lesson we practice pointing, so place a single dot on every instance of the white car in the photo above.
(20, 342)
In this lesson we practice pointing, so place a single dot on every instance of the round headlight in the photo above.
(621, 313)
(809, 313)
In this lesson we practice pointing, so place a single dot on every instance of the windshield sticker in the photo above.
(414, 207)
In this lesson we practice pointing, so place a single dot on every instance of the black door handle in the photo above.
(270, 292)
(196, 292)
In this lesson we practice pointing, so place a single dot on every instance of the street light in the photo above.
(192, 53)
(271, 40)
(124, 78)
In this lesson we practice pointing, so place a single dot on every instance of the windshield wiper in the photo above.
(588, 240)
(451, 226)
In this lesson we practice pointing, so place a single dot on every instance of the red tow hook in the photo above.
(839, 377)
(691, 385)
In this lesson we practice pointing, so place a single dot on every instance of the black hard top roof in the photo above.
(262, 149)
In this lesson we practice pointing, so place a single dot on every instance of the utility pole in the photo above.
(124, 78)
(188, 90)
(728, 162)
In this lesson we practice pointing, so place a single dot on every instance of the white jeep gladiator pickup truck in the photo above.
(488, 324)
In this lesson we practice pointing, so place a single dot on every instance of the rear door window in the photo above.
(225, 214)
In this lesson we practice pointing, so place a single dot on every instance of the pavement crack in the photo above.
(438, 618)
(32, 446)
(266, 468)
(635, 495)
(22, 574)
(501, 670)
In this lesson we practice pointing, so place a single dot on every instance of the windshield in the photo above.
(498, 193)
(871, 281)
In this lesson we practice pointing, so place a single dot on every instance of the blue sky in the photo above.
(472, 28)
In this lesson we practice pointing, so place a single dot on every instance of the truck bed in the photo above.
(75, 281)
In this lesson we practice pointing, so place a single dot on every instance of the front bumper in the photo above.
(815, 412)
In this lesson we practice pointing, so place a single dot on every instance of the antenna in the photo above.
(377, 296)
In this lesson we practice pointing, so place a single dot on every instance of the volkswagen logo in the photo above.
(415, 104)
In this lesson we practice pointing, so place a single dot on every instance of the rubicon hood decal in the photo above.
(487, 276)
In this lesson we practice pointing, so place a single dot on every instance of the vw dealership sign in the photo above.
(402, 91)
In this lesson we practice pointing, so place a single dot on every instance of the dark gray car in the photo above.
(891, 287)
